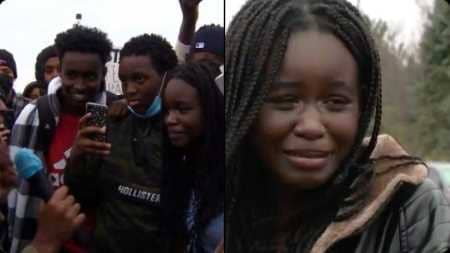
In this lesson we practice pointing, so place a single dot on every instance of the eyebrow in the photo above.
(280, 84)
(342, 85)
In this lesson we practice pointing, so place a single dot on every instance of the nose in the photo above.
(130, 89)
(309, 123)
(171, 118)
(80, 84)
(54, 74)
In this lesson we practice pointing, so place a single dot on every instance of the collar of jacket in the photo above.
(387, 181)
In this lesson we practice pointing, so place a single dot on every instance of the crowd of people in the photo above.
(154, 181)
(307, 169)
(291, 161)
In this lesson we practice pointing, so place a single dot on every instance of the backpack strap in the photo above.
(47, 123)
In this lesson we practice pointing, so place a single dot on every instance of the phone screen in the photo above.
(97, 118)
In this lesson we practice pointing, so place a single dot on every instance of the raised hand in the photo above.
(58, 219)
(189, 8)
(84, 142)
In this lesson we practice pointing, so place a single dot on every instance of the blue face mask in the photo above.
(154, 108)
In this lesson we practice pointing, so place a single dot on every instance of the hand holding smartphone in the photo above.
(97, 118)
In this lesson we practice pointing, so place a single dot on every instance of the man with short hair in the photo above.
(8, 69)
(7, 64)
(49, 124)
(46, 67)
(208, 43)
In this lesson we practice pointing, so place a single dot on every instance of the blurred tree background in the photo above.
(416, 84)
(433, 90)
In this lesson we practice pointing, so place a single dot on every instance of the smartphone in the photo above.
(97, 118)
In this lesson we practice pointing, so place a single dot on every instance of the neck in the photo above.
(192, 157)
(194, 152)
(289, 203)
(70, 108)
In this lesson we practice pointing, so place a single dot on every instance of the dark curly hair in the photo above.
(41, 59)
(159, 50)
(204, 177)
(85, 40)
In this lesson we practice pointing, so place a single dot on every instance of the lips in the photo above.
(307, 160)
(133, 103)
(79, 97)
(177, 138)
(175, 134)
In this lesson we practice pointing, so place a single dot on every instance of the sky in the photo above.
(28, 26)
(403, 16)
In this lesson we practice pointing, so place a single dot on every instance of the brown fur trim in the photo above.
(386, 183)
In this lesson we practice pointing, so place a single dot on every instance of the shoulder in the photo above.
(29, 111)
(19, 103)
(424, 217)
(426, 200)
(119, 126)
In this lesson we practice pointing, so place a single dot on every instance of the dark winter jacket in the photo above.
(405, 212)
(124, 188)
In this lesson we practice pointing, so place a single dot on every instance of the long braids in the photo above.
(204, 177)
(255, 46)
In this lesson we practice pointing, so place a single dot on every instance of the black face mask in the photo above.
(6, 84)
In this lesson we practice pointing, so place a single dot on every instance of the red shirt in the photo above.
(60, 147)
(56, 159)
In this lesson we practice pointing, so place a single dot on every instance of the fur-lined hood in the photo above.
(390, 174)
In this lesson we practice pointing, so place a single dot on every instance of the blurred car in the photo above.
(443, 168)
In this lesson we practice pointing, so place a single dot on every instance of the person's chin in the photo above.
(303, 180)
(78, 103)
(138, 109)
(178, 143)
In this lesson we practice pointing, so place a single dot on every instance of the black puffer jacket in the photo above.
(405, 212)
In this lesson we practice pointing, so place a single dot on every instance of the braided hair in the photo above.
(256, 43)
(205, 177)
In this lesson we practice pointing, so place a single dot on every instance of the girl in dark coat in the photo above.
(303, 89)
(193, 164)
